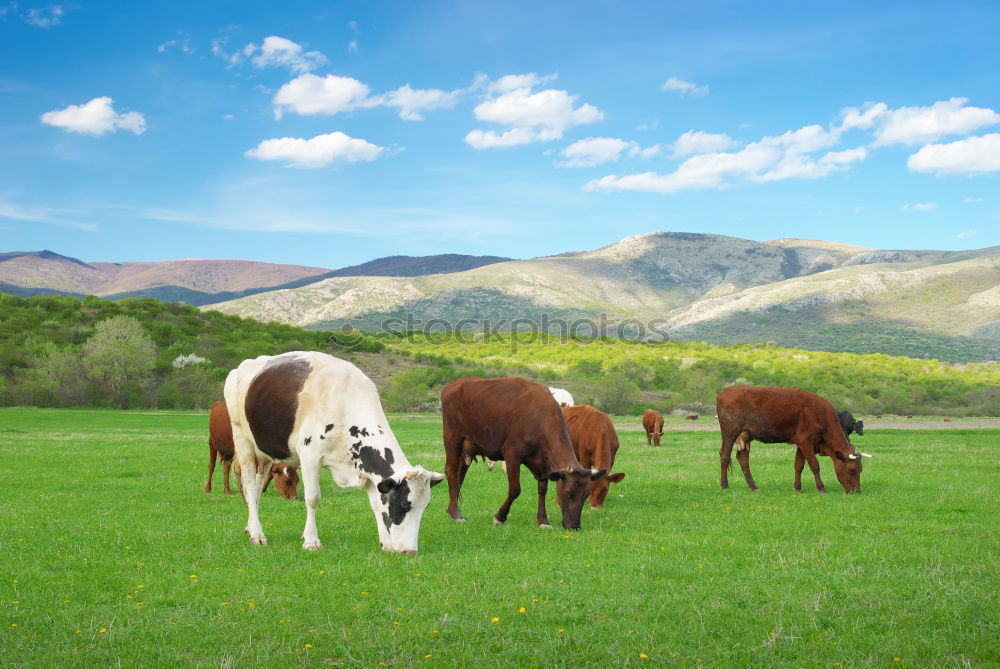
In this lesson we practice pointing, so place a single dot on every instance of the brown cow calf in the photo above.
(220, 447)
(785, 415)
(596, 443)
(519, 422)
(652, 423)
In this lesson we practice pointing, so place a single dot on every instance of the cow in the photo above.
(652, 423)
(220, 444)
(562, 396)
(315, 411)
(286, 479)
(517, 421)
(220, 447)
(691, 416)
(850, 425)
(596, 443)
(785, 415)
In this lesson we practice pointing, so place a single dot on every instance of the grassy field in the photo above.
(113, 555)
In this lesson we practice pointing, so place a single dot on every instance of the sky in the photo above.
(328, 134)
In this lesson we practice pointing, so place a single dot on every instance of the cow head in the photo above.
(847, 465)
(599, 488)
(859, 427)
(286, 480)
(572, 489)
(656, 438)
(399, 502)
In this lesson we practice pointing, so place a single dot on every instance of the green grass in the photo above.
(103, 510)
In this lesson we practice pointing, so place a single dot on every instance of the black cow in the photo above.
(849, 424)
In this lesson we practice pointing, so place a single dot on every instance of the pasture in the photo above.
(112, 554)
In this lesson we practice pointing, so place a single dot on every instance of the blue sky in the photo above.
(329, 134)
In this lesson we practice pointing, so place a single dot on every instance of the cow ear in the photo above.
(597, 473)
(616, 477)
(435, 478)
(385, 485)
(555, 476)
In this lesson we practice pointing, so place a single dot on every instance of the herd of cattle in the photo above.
(294, 414)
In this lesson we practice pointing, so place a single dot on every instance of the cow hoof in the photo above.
(544, 526)
(258, 541)
(312, 545)
(459, 519)
(497, 521)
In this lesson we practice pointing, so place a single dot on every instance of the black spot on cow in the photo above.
(328, 427)
(380, 430)
(322, 436)
(272, 401)
(355, 431)
(369, 460)
(399, 504)
(385, 519)
(389, 457)
(308, 440)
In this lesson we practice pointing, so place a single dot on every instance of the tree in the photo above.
(616, 394)
(116, 358)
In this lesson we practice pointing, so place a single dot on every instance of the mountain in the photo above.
(195, 282)
(697, 286)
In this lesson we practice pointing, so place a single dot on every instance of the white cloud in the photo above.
(863, 118)
(967, 233)
(309, 94)
(411, 102)
(95, 118)
(684, 87)
(532, 117)
(352, 46)
(45, 18)
(696, 141)
(973, 200)
(184, 45)
(277, 51)
(919, 125)
(920, 206)
(42, 215)
(972, 155)
(316, 152)
(771, 158)
(234, 58)
(598, 150)
(643, 127)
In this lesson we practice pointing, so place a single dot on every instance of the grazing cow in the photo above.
(562, 396)
(596, 443)
(785, 415)
(652, 423)
(519, 422)
(286, 479)
(220, 444)
(220, 447)
(850, 425)
(691, 416)
(315, 411)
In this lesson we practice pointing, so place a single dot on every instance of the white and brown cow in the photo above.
(314, 411)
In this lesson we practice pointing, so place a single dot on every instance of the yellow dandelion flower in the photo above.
(521, 610)
(65, 601)
(322, 571)
(15, 602)
(427, 656)
(561, 581)
(79, 632)
(102, 631)
(700, 566)
(309, 645)
(251, 604)
(562, 631)
(138, 603)
(395, 622)
(312, 631)
(13, 624)
(495, 619)
(895, 659)
(644, 656)
(225, 603)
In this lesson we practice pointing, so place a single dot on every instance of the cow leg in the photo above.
(211, 467)
(743, 457)
(800, 462)
(649, 437)
(810, 456)
(309, 471)
(726, 459)
(543, 516)
(227, 466)
(267, 480)
(513, 484)
(453, 470)
(251, 495)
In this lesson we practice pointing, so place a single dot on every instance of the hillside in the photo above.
(721, 289)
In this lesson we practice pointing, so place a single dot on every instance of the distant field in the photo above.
(112, 555)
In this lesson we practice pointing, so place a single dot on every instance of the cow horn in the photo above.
(593, 471)
(865, 455)
(853, 456)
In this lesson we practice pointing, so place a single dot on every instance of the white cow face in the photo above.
(399, 503)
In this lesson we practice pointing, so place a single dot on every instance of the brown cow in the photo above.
(596, 443)
(785, 415)
(652, 423)
(519, 422)
(691, 416)
(220, 447)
